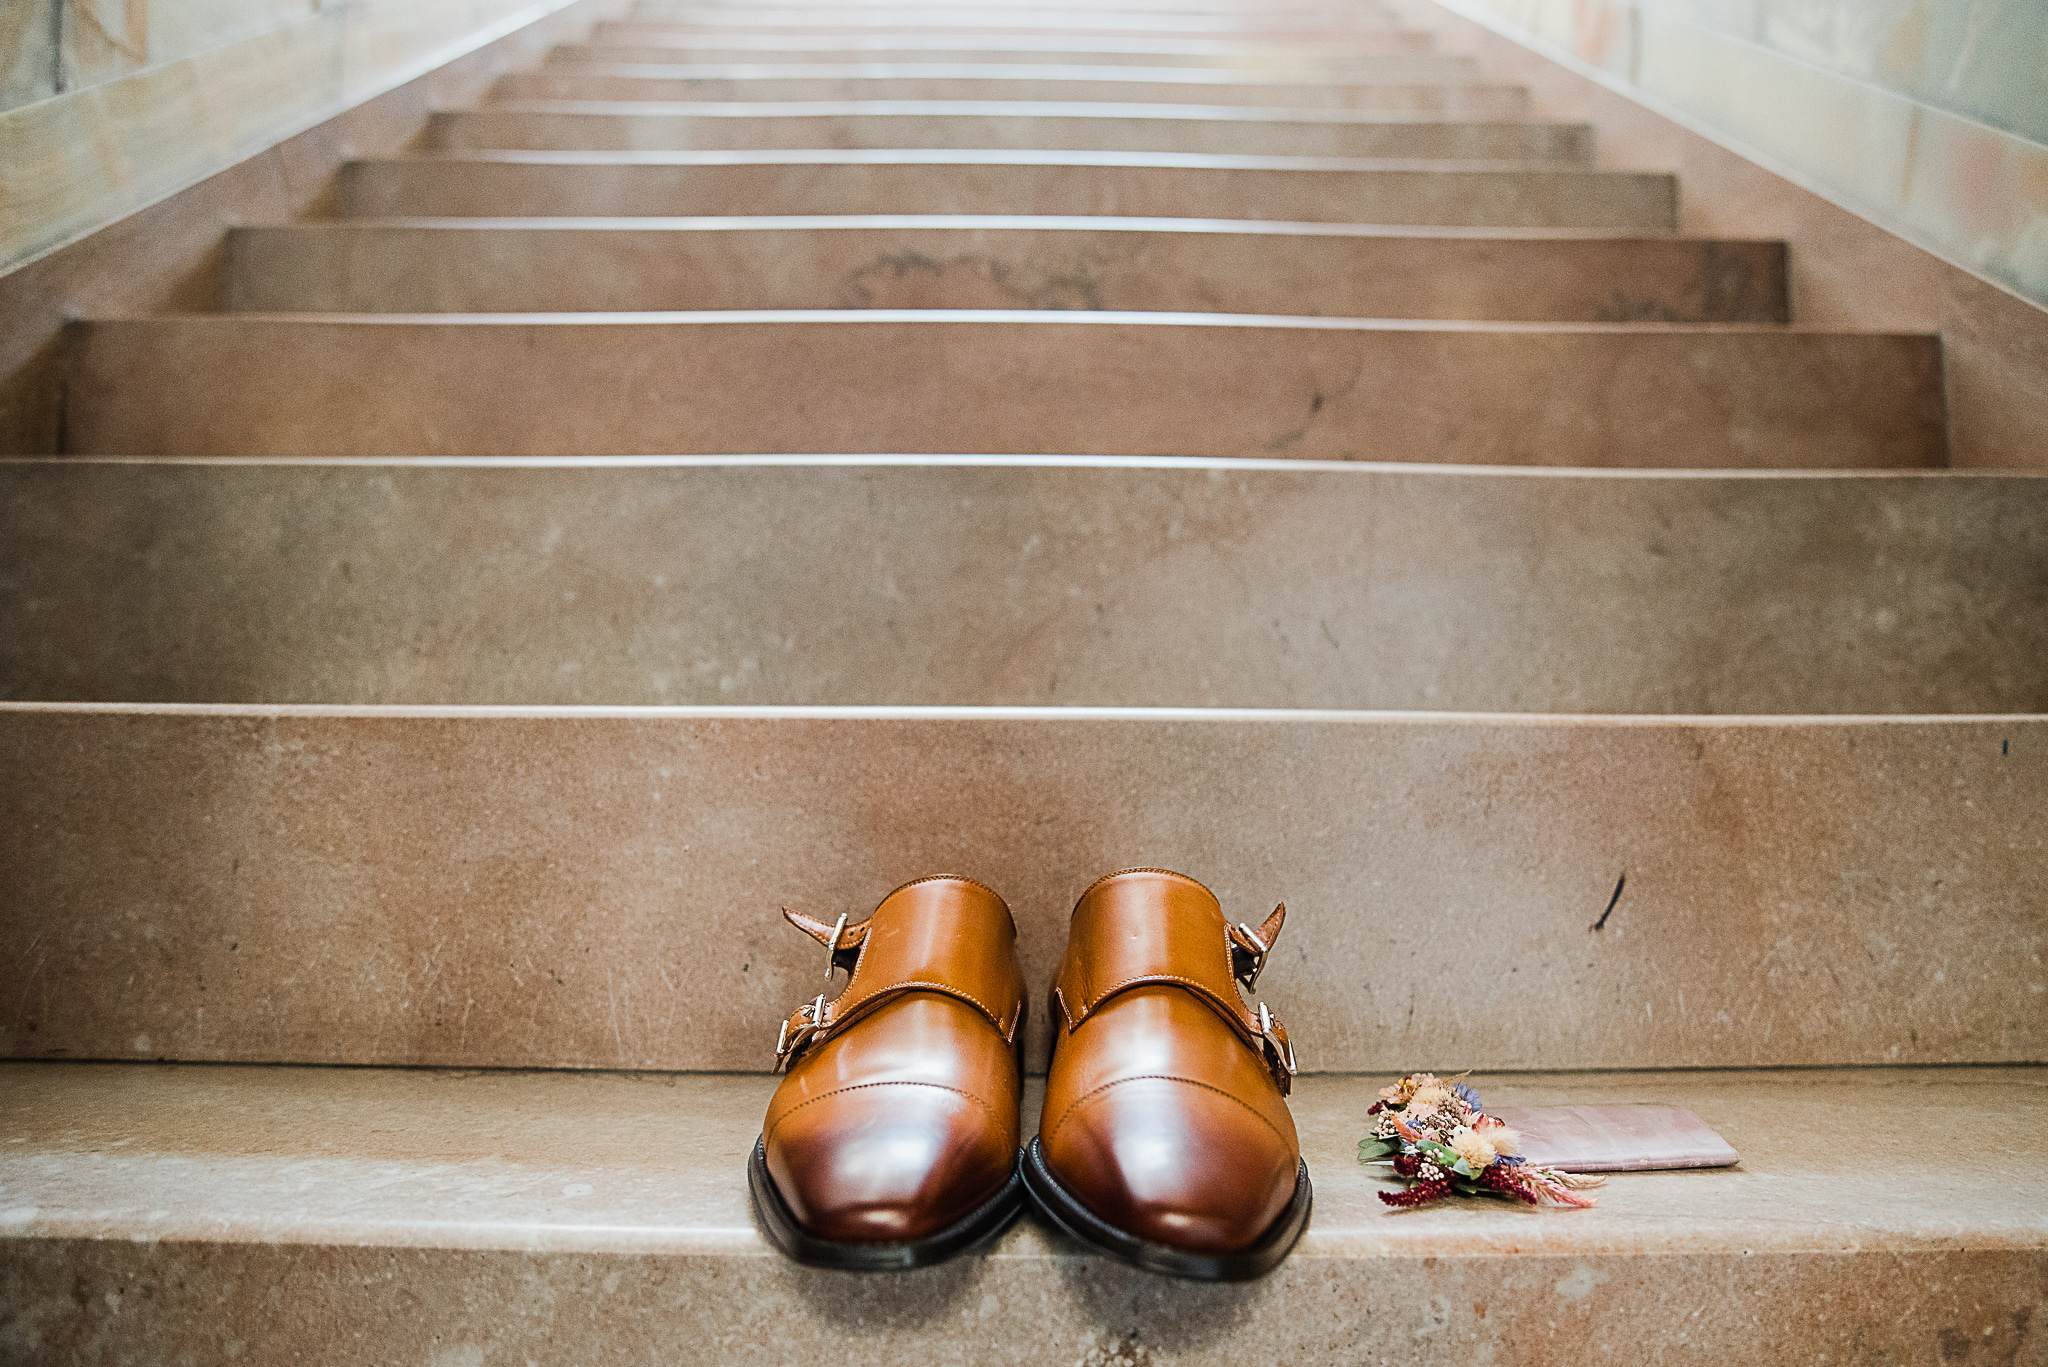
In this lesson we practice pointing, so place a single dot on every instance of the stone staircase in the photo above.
(769, 453)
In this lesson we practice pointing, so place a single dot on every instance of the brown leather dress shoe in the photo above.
(1165, 1138)
(892, 1142)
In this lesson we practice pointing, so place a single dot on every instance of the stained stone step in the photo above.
(498, 1217)
(1269, 67)
(1332, 35)
(1406, 69)
(1701, 396)
(896, 582)
(524, 265)
(1024, 47)
(599, 888)
(948, 181)
(966, 124)
(971, 18)
(986, 81)
(1359, 12)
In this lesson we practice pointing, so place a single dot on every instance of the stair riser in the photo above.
(1017, 383)
(1399, 68)
(207, 1301)
(1547, 198)
(1172, 11)
(971, 29)
(600, 891)
(1234, 10)
(991, 585)
(506, 269)
(1168, 51)
(571, 82)
(1350, 9)
(1033, 131)
(1294, 24)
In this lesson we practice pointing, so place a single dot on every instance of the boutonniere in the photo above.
(1437, 1135)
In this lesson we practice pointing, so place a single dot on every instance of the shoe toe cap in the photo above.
(1174, 1163)
(888, 1162)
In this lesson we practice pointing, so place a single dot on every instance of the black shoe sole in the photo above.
(984, 1222)
(1262, 1257)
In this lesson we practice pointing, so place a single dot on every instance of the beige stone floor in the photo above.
(1833, 1161)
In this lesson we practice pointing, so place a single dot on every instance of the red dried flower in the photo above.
(1422, 1193)
(1507, 1182)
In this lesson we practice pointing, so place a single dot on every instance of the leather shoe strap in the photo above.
(1178, 945)
(958, 944)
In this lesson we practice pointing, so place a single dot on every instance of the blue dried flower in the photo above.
(1466, 1095)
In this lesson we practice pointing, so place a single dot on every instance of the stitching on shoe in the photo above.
(1089, 1096)
(1200, 989)
(769, 1133)
(1143, 868)
(952, 878)
(921, 985)
(1140, 979)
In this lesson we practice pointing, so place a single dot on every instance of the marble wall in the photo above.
(52, 47)
(107, 106)
(1929, 116)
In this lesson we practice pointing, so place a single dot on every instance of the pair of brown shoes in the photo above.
(1165, 1139)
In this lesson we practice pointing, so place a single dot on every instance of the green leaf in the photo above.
(1369, 1149)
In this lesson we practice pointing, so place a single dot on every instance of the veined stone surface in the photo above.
(558, 1218)
(1028, 382)
(1364, 53)
(949, 181)
(665, 81)
(1285, 584)
(1336, 270)
(429, 464)
(622, 125)
(1252, 68)
(600, 888)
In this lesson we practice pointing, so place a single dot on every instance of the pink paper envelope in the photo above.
(1616, 1138)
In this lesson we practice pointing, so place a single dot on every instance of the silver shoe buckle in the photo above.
(832, 948)
(1280, 1051)
(1257, 954)
(810, 1020)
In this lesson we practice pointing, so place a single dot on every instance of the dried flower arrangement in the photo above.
(1435, 1134)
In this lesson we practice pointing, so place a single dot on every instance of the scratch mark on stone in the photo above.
(1621, 883)
(1318, 400)
(611, 991)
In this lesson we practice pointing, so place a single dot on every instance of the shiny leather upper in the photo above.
(1164, 1112)
(898, 1115)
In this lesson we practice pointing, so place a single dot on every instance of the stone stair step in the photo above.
(1162, 51)
(598, 887)
(1106, 584)
(1333, 36)
(980, 81)
(1360, 11)
(1171, 9)
(1024, 382)
(1292, 26)
(545, 125)
(1247, 68)
(845, 181)
(497, 1217)
(523, 266)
